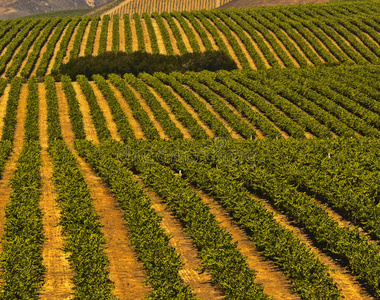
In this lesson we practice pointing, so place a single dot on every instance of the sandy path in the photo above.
(210, 37)
(163, 103)
(56, 49)
(111, 125)
(97, 38)
(160, 41)
(275, 283)
(125, 271)
(350, 288)
(85, 38)
(70, 45)
(89, 127)
(58, 281)
(3, 106)
(10, 165)
(150, 113)
(184, 36)
(128, 112)
(41, 53)
(197, 36)
(231, 130)
(190, 274)
(173, 40)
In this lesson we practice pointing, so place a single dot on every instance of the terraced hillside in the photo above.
(254, 38)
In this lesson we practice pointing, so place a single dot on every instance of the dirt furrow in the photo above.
(232, 131)
(284, 48)
(280, 62)
(210, 37)
(148, 44)
(342, 222)
(160, 41)
(295, 44)
(283, 133)
(128, 112)
(121, 35)
(106, 111)
(3, 106)
(349, 286)
(10, 165)
(258, 131)
(135, 43)
(110, 35)
(321, 43)
(70, 45)
(125, 271)
(56, 49)
(197, 36)
(184, 36)
(190, 272)
(89, 127)
(15, 52)
(268, 274)
(85, 38)
(181, 127)
(335, 44)
(231, 51)
(150, 114)
(27, 55)
(97, 38)
(58, 280)
(309, 45)
(173, 40)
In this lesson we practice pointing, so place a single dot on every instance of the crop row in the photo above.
(258, 39)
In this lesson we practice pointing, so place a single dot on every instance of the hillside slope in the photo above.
(257, 3)
(19, 8)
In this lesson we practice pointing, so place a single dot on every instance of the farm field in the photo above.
(130, 7)
(256, 183)
(255, 38)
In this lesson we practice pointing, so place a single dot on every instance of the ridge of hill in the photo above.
(20, 8)
(258, 3)
(149, 6)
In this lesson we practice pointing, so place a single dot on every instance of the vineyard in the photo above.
(131, 7)
(255, 38)
(255, 183)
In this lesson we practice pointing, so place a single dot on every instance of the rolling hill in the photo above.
(19, 8)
